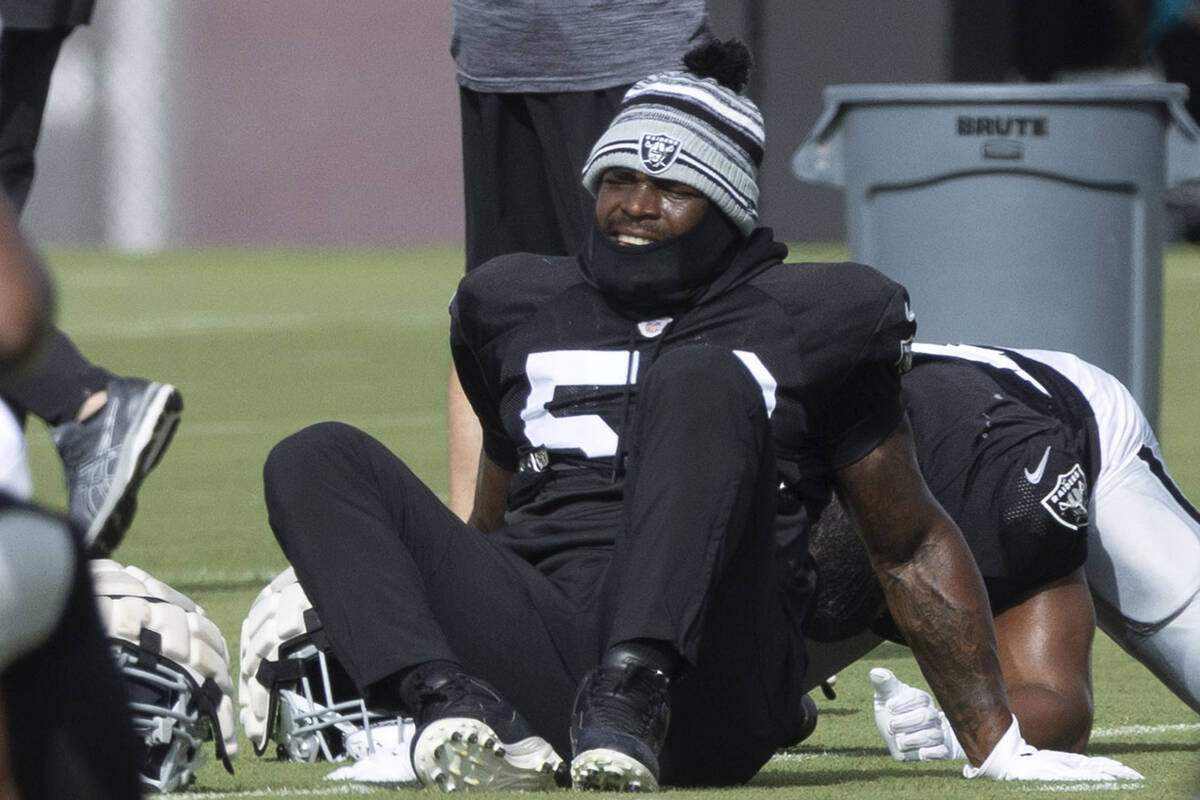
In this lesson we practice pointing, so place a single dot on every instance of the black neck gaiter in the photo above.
(666, 276)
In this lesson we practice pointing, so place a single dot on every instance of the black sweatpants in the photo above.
(397, 580)
(523, 156)
(59, 379)
(26, 63)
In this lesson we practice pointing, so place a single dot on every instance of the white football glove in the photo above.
(915, 730)
(911, 725)
(1014, 760)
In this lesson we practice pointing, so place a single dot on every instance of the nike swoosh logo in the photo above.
(1035, 477)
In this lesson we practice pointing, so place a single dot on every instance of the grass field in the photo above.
(263, 343)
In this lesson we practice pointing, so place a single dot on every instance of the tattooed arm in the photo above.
(933, 589)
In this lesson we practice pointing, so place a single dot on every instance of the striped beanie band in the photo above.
(680, 127)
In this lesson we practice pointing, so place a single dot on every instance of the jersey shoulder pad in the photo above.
(852, 329)
(827, 287)
(510, 287)
(845, 310)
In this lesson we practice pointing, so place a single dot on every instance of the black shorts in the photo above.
(523, 156)
(1014, 479)
(1024, 517)
(27, 60)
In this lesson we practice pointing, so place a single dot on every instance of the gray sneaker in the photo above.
(106, 458)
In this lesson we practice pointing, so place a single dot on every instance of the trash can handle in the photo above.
(1183, 145)
(818, 159)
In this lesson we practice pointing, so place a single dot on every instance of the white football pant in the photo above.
(1143, 563)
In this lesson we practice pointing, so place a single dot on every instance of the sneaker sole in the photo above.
(158, 420)
(459, 754)
(607, 770)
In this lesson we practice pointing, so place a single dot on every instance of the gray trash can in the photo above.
(1021, 215)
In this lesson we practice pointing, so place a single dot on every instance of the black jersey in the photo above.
(552, 370)
(1009, 447)
(996, 383)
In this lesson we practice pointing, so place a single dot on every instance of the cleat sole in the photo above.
(450, 755)
(607, 770)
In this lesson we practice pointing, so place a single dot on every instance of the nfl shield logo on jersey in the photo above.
(658, 152)
(653, 327)
(1067, 501)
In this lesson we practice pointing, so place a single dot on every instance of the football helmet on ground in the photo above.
(293, 691)
(175, 665)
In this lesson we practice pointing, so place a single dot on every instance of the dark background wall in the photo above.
(801, 46)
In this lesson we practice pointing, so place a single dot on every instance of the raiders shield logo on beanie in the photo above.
(658, 152)
(693, 127)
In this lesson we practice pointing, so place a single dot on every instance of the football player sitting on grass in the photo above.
(658, 414)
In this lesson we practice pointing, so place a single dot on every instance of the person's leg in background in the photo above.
(27, 60)
(107, 448)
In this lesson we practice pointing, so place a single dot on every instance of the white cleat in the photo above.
(459, 754)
